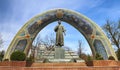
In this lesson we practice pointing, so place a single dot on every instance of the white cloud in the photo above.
(8, 31)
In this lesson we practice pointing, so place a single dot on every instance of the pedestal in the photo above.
(59, 53)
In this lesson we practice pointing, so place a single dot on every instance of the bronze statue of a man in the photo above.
(59, 29)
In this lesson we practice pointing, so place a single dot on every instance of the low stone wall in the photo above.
(118, 62)
(90, 63)
(103, 63)
(95, 65)
(5, 63)
(13, 63)
(60, 68)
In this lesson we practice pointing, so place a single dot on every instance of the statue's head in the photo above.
(59, 21)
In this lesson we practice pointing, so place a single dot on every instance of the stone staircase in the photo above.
(50, 55)
(37, 64)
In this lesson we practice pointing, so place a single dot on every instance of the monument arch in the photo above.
(94, 35)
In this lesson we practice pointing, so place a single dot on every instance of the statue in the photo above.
(59, 29)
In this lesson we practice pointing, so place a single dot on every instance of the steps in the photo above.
(57, 64)
(50, 55)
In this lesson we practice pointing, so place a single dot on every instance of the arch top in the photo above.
(74, 18)
(90, 30)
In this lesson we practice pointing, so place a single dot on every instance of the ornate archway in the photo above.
(97, 40)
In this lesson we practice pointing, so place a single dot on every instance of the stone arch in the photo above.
(91, 31)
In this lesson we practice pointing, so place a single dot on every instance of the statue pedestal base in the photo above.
(59, 53)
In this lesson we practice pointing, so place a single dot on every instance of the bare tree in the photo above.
(37, 41)
(112, 30)
(81, 54)
(48, 41)
(1, 41)
(80, 49)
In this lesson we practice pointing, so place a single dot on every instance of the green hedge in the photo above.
(98, 57)
(18, 56)
(111, 58)
(118, 54)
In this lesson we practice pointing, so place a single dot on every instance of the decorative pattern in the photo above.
(39, 22)
(79, 23)
(33, 28)
(27, 36)
(21, 45)
(99, 47)
(92, 36)
(59, 14)
(22, 33)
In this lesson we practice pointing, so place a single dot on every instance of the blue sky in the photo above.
(15, 13)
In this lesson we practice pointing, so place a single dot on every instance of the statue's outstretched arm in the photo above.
(64, 31)
(56, 28)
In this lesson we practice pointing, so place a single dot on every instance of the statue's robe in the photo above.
(59, 35)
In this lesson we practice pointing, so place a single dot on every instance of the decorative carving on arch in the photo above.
(99, 47)
(21, 45)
